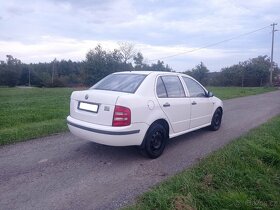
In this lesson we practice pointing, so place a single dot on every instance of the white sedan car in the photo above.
(143, 108)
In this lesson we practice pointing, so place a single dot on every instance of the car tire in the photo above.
(216, 120)
(154, 141)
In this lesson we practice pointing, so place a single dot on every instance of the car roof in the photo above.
(151, 72)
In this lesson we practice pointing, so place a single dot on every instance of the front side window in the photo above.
(120, 82)
(170, 86)
(194, 88)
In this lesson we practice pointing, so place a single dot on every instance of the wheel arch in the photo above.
(162, 122)
(220, 108)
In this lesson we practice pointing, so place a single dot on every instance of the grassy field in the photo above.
(33, 112)
(234, 92)
(27, 113)
(243, 175)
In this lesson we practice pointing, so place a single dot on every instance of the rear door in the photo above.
(172, 99)
(201, 104)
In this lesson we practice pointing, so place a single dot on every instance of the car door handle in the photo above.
(194, 103)
(166, 104)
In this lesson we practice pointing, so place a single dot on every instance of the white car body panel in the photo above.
(202, 112)
(100, 97)
(146, 108)
(108, 135)
(178, 112)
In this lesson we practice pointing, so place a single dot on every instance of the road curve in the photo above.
(64, 172)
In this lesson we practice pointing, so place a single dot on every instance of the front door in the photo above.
(201, 105)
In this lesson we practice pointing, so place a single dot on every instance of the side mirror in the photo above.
(210, 94)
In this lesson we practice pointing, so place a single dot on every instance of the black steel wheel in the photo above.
(155, 141)
(216, 120)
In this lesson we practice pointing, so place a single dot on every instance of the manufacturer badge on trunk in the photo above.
(86, 96)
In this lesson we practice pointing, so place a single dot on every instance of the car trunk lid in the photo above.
(94, 106)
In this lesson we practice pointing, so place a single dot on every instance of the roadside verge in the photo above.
(243, 175)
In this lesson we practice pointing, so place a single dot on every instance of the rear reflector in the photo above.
(122, 116)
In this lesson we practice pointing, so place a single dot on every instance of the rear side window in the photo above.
(161, 91)
(194, 88)
(170, 86)
(128, 83)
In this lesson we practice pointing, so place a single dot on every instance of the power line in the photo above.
(210, 45)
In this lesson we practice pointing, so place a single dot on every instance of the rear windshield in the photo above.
(120, 82)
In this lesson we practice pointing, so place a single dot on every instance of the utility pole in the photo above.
(271, 57)
(53, 69)
(29, 77)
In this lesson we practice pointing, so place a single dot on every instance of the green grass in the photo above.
(27, 113)
(243, 175)
(234, 92)
(32, 112)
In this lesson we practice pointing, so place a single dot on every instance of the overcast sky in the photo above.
(39, 31)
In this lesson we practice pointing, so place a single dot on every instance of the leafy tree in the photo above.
(253, 72)
(200, 73)
(24, 75)
(94, 65)
(99, 63)
(138, 61)
(10, 71)
(12, 61)
(8, 76)
(159, 66)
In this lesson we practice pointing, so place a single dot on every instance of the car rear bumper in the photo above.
(108, 135)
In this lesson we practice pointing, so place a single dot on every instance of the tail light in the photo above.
(122, 116)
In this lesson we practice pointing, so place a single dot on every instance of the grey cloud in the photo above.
(17, 10)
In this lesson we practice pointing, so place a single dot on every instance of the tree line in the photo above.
(66, 73)
(250, 73)
(100, 62)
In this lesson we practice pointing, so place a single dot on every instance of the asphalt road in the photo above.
(64, 172)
